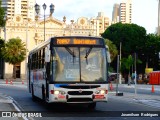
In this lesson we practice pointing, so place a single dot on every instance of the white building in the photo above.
(126, 11)
(19, 7)
(21, 23)
(103, 22)
(122, 12)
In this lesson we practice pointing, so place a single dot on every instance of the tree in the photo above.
(131, 36)
(126, 64)
(14, 52)
(1, 46)
(150, 51)
(112, 49)
(2, 14)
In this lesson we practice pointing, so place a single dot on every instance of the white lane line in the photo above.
(153, 103)
(16, 107)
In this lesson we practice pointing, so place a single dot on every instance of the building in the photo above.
(115, 13)
(102, 23)
(19, 7)
(21, 23)
(82, 27)
(32, 33)
(126, 11)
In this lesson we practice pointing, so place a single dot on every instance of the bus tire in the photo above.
(33, 96)
(43, 94)
(92, 106)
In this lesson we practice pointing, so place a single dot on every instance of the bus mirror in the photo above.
(108, 55)
(47, 54)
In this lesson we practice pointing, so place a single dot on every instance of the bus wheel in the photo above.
(43, 93)
(92, 106)
(33, 96)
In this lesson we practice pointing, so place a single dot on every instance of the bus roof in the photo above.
(43, 44)
(77, 40)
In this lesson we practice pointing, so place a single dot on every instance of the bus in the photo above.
(69, 69)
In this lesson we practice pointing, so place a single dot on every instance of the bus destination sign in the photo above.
(77, 41)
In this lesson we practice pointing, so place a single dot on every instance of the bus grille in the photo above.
(80, 86)
(80, 93)
(79, 100)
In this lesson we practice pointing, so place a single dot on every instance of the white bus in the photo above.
(69, 69)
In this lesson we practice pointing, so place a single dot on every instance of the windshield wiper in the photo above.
(71, 52)
(87, 54)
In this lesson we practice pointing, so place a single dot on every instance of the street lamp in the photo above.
(37, 9)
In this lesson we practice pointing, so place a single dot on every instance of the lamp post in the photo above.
(120, 57)
(72, 21)
(37, 9)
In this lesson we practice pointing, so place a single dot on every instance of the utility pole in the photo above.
(120, 81)
(135, 74)
(117, 74)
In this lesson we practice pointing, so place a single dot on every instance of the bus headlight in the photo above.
(56, 92)
(102, 92)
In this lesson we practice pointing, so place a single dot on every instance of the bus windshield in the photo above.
(79, 64)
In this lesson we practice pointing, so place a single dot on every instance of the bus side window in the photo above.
(34, 63)
(43, 57)
(33, 59)
(39, 59)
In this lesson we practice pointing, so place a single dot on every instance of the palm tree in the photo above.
(126, 64)
(112, 49)
(14, 52)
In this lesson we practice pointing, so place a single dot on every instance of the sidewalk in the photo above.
(7, 105)
(152, 100)
(9, 81)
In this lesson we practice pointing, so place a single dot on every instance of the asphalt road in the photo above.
(62, 111)
(141, 89)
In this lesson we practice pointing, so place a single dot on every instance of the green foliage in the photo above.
(14, 51)
(150, 50)
(112, 49)
(2, 14)
(1, 46)
(110, 69)
(152, 44)
(127, 62)
(131, 36)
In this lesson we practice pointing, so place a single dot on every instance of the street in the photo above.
(115, 106)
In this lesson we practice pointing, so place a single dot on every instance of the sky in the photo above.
(144, 12)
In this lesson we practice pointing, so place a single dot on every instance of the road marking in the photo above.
(153, 103)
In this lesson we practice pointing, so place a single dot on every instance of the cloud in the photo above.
(145, 12)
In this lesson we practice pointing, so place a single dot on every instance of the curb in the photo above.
(16, 107)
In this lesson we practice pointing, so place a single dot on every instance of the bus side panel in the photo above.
(38, 80)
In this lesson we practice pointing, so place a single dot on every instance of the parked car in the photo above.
(112, 76)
